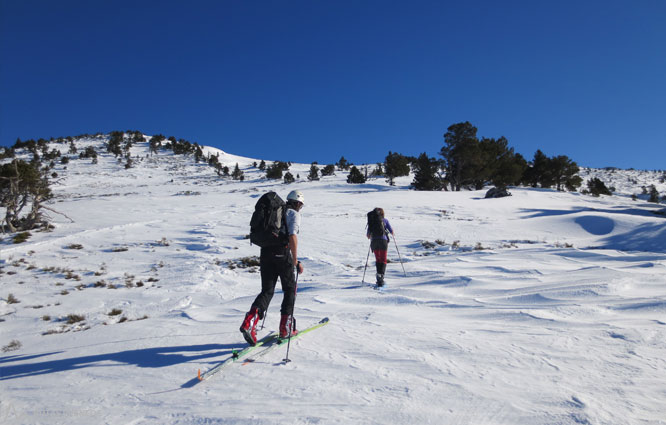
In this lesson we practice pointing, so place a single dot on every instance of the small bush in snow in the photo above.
(21, 237)
(244, 263)
(75, 318)
(289, 178)
(12, 346)
(479, 247)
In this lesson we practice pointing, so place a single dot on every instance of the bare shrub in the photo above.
(244, 263)
(21, 237)
(75, 318)
(12, 346)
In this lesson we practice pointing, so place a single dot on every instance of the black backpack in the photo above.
(268, 226)
(376, 224)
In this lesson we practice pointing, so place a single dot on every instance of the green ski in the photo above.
(237, 355)
(278, 342)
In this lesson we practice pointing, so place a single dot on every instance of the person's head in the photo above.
(296, 199)
(380, 211)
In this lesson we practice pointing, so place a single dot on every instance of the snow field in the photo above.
(540, 308)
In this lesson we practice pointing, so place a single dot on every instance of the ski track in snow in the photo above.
(560, 319)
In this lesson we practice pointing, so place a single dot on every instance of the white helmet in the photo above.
(296, 195)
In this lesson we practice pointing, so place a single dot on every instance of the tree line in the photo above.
(470, 162)
(465, 162)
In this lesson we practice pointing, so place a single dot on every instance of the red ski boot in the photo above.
(249, 326)
(287, 323)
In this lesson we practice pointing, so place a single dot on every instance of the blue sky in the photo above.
(313, 80)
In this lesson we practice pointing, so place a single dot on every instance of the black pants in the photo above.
(274, 263)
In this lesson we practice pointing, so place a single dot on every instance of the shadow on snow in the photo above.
(156, 357)
(645, 237)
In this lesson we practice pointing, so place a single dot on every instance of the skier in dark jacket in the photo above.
(379, 246)
(279, 262)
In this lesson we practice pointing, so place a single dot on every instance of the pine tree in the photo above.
(426, 173)
(113, 145)
(288, 178)
(22, 184)
(355, 176)
(328, 170)
(395, 165)
(654, 194)
(237, 174)
(597, 187)
(343, 164)
(314, 173)
(565, 173)
(378, 171)
(274, 171)
(155, 143)
(460, 153)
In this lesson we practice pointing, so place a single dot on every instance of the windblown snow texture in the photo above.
(539, 308)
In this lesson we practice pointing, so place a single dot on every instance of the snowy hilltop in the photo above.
(543, 307)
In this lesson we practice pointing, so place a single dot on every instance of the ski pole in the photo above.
(291, 322)
(396, 248)
(264, 321)
(366, 263)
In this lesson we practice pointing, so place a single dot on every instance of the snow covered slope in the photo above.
(540, 308)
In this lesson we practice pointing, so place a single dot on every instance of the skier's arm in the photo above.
(388, 227)
(293, 227)
(293, 247)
